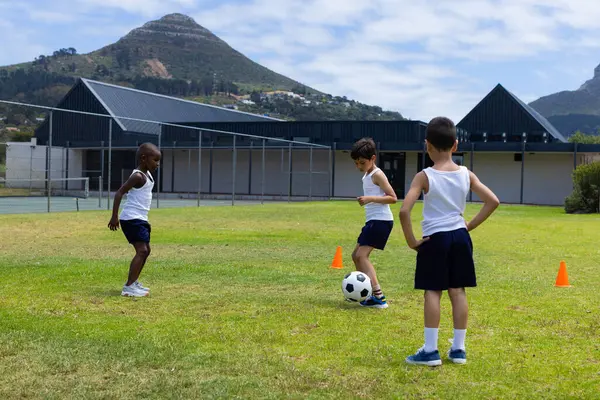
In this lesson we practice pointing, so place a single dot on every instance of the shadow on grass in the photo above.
(110, 293)
(339, 304)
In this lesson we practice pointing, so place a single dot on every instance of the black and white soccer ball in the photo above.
(356, 286)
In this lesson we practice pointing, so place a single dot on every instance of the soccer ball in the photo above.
(356, 286)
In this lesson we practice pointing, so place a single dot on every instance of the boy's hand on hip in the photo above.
(415, 246)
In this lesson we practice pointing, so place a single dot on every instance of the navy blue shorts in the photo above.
(375, 233)
(446, 261)
(136, 230)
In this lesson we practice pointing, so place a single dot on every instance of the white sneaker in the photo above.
(133, 291)
(138, 285)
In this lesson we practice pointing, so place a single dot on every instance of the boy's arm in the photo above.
(416, 187)
(380, 180)
(490, 202)
(135, 180)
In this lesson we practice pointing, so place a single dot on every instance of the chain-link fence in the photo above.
(77, 160)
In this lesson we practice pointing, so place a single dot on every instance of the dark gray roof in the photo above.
(539, 118)
(121, 101)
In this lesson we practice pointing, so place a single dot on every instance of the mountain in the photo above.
(574, 110)
(571, 123)
(176, 56)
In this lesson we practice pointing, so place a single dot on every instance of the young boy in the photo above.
(378, 195)
(445, 254)
(134, 216)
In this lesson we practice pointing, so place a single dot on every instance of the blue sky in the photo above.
(421, 58)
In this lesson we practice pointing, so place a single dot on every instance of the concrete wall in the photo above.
(547, 177)
(498, 171)
(249, 172)
(26, 166)
(411, 169)
(348, 179)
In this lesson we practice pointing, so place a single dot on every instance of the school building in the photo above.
(512, 148)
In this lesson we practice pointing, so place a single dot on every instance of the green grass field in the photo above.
(244, 305)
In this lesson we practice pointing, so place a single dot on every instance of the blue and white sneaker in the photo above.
(139, 285)
(374, 302)
(421, 357)
(457, 356)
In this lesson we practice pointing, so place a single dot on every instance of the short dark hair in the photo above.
(146, 149)
(441, 133)
(363, 148)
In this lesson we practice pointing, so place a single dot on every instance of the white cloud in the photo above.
(146, 8)
(17, 44)
(401, 54)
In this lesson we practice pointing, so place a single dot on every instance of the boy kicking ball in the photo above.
(378, 195)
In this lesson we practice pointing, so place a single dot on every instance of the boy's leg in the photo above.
(429, 354)
(460, 311)
(431, 276)
(432, 319)
(374, 235)
(462, 275)
(360, 256)
(142, 251)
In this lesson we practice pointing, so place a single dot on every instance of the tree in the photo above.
(255, 97)
(582, 138)
(586, 193)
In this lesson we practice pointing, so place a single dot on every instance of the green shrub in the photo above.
(586, 194)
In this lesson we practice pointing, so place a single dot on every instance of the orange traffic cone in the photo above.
(562, 279)
(337, 259)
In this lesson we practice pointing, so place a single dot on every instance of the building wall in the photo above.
(348, 179)
(502, 174)
(411, 169)
(26, 165)
(249, 172)
(75, 163)
(498, 171)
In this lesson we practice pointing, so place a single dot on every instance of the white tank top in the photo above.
(445, 202)
(375, 211)
(139, 200)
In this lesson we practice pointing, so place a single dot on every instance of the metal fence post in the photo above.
(109, 163)
(173, 166)
(289, 172)
(210, 167)
(310, 173)
(67, 165)
(471, 162)
(199, 166)
(262, 193)
(100, 183)
(50, 160)
(250, 168)
(189, 165)
(31, 169)
(523, 165)
(281, 172)
(332, 170)
(159, 172)
(233, 172)
(101, 187)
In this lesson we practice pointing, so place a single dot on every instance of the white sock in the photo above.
(459, 339)
(431, 339)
